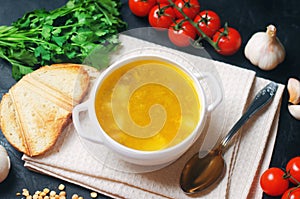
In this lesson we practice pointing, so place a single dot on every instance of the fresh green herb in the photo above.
(67, 34)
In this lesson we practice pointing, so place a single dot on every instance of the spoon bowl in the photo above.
(200, 173)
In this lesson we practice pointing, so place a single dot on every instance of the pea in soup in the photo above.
(148, 105)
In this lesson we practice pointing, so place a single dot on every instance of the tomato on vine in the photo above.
(228, 40)
(181, 33)
(190, 7)
(293, 168)
(209, 22)
(164, 1)
(291, 193)
(141, 8)
(274, 181)
(161, 16)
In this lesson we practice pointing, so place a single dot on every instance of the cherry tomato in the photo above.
(161, 16)
(273, 183)
(190, 7)
(229, 40)
(181, 33)
(209, 22)
(293, 167)
(141, 8)
(292, 193)
(164, 1)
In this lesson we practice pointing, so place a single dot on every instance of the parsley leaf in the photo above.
(67, 34)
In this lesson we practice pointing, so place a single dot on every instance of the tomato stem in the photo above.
(203, 35)
(197, 43)
(288, 175)
(178, 26)
(161, 10)
(187, 4)
(205, 19)
(224, 33)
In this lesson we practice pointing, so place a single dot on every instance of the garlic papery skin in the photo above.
(4, 164)
(264, 49)
(294, 111)
(293, 88)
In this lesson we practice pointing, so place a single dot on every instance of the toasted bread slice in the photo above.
(11, 130)
(35, 110)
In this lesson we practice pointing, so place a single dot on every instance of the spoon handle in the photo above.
(261, 99)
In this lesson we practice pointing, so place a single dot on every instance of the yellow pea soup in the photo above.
(148, 105)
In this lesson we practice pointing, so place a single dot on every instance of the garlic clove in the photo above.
(4, 164)
(294, 111)
(293, 88)
(264, 49)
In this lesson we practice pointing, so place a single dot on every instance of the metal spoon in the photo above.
(200, 173)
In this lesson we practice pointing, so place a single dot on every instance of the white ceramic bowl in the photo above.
(146, 158)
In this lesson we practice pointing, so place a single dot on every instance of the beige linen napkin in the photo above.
(76, 161)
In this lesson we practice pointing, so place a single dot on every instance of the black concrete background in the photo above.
(248, 16)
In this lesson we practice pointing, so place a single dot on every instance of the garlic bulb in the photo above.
(264, 49)
(4, 164)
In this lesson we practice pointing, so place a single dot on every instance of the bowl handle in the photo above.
(214, 87)
(86, 134)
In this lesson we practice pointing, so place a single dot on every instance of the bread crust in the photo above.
(14, 138)
(37, 108)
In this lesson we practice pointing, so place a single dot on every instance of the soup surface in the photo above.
(148, 105)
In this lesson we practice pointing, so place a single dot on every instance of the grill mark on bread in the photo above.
(50, 93)
(19, 121)
(41, 104)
